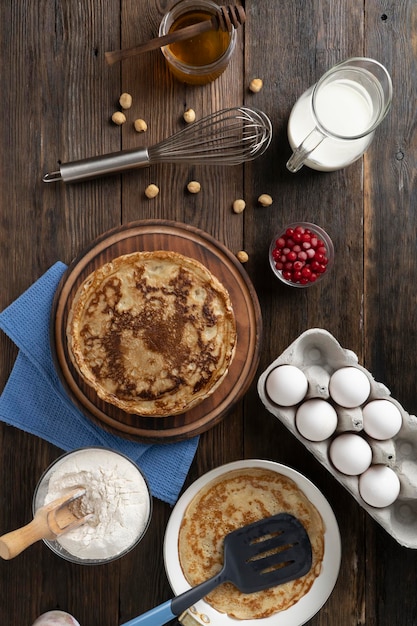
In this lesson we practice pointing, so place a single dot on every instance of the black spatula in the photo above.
(264, 554)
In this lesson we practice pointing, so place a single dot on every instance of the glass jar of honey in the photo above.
(202, 58)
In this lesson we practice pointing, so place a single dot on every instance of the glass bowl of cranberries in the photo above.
(301, 254)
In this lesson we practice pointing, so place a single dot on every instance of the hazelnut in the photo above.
(118, 118)
(140, 125)
(239, 205)
(265, 199)
(194, 186)
(256, 85)
(189, 116)
(125, 100)
(242, 256)
(151, 191)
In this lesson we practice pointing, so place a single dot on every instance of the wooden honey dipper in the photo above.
(226, 18)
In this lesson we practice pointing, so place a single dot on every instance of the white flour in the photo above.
(115, 492)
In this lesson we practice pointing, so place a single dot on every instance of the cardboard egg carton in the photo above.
(317, 353)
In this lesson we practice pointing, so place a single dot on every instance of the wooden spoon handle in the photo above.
(16, 541)
(50, 521)
(158, 42)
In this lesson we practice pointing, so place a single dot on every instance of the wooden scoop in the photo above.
(224, 20)
(49, 522)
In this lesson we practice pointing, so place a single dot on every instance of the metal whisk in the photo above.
(226, 137)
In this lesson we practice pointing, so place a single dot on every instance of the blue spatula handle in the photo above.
(155, 617)
(172, 608)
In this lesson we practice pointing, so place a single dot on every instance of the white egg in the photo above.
(381, 419)
(349, 387)
(350, 454)
(286, 385)
(316, 419)
(379, 486)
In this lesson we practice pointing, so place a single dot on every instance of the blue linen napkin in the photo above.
(35, 401)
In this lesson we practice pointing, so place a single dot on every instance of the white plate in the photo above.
(309, 604)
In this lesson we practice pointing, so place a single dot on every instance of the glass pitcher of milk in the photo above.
(332, 124)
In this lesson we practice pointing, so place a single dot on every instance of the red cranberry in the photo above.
(300, 255)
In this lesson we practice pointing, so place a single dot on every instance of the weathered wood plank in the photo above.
(58, 98)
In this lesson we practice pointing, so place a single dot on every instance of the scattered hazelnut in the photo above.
(118, 118)
(194, 186)
(140, 125)
(125, 100)
(151, 191)
(256, 85)
(265, 199)
(189, 116)
(242, 256)
(239, 205)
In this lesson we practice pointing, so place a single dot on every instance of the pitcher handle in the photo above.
(300, 154)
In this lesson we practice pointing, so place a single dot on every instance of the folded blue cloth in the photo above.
(35, 401)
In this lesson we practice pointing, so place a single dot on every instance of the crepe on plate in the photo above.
(232, 500)
(153, 333)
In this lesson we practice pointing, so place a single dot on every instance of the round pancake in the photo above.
(236, 499)
(153, 333)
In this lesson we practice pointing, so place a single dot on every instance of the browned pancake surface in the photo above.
(236, 499)
(153, 333)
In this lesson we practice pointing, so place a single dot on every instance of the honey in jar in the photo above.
(204, 57)
(203, 49)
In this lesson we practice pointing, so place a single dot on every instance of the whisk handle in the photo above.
(100, 166)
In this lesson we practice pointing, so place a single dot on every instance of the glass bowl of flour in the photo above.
(116, 493)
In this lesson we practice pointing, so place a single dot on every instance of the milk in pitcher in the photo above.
(345, 109)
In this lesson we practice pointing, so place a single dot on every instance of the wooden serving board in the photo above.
(151, 235)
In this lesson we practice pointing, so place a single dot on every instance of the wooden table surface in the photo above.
(57, 96)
